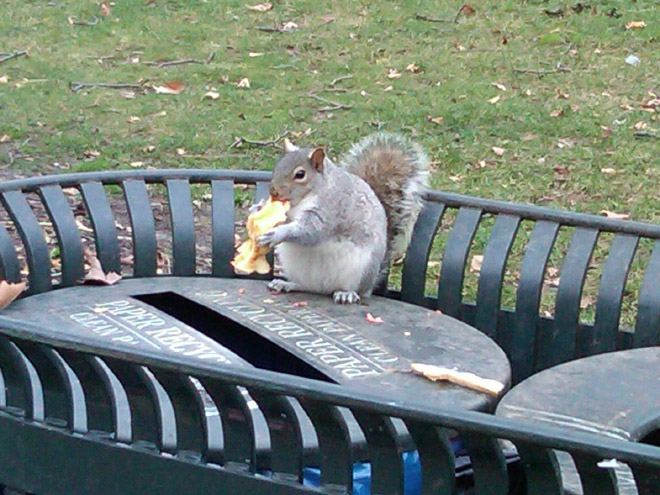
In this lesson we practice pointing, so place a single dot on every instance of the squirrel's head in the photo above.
(297, 173)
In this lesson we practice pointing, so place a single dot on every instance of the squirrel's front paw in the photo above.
(345, 297)
(279, 285)
(272, 237)
(256, 207)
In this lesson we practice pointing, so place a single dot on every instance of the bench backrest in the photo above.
(524, 275)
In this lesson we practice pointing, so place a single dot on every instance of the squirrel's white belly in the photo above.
(327, 267)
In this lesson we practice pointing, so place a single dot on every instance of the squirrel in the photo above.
(346, 221)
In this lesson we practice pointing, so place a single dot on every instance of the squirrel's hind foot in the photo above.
(345, 297)
(279, 285)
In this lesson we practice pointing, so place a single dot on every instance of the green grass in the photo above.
(549, 160)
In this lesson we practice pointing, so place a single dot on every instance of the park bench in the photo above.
(531, 278)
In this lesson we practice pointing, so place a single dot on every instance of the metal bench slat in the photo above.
(222, 219)
(413, 279)
(436, 458)
(38, 257)
(31, 382)
(491, 277)
(647, 328)
(488, 463)
(167, 430)
(541, 469)
(519, 340)
(73, 388)
(10, 269)
(561, 343)
(68, 235)
(183, 226)
(610, 294)
(237, 423)
(121, 410)
(450, 285)
(103, 222)
(143, 227)
(595, 480)
(335, 450)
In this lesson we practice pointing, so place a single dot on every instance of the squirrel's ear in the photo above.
(316, 158)
(289, 146)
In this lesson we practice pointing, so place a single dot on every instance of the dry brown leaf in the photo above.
(255, 54)
(374, 319)
(149, 149)
(560, 95)
(5, 138)
(137, 164)
(244, 83)
(4, 79)
(211, 94)
(127, 93)
(607, 131)
(170, 88)
(636, 25)
(133, 119)
(640, 125)
(91, 153)
(299, 304)
(494, 99)
(615, 215)
(499, 86)
(587, 301)
(388, 89)
(476, 262)
(393, 74)
(260, 7)
(467, 10)
(9, 292)
(289, 26)
(105, 9)
(96, 275)
(436, 120)
(411, 67)
(608, 171)
(464, 379)
(498, 151)
(557, 113)
(180, 151)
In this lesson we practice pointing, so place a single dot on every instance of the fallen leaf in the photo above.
(244, 83)
(105, 9)
(587, 301)
(5, 138)
(554, 13)
(436, 120)
(211, 94)
(561, 172)
(269, 301)
(388, 89)
(127, 93)
(608, 171)
(9, 292)
(612, 214)
(289, 26)
(560, 95)
(255, 54)
(299, 304)
(413, 68)
(494, 99)
(82, 227)
(260, 7)
(499, 86)
(180, 151)
(133, 119)
(374, 319)
(476, 262)
(498, 151)
(149, 149)
(464, 379)
(393, 74)
(640, 125)
(607, 131)
(636, 25)
(96, 275)
(557, 113)
(4, 79)
(170, 88)
(467, 10)
(137, 164)
(91, 153)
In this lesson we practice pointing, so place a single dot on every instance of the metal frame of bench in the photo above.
(50, 446)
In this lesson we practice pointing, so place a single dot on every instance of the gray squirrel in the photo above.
(346, 222)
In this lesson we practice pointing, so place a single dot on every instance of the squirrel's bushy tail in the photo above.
(397, 170)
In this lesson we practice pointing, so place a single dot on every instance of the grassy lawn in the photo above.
(523, 101)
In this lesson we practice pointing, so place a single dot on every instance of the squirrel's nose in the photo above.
(274, 193)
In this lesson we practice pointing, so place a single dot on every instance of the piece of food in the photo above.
(250, 257)
(462, 378)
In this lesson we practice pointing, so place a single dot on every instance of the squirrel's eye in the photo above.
(300, 175)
